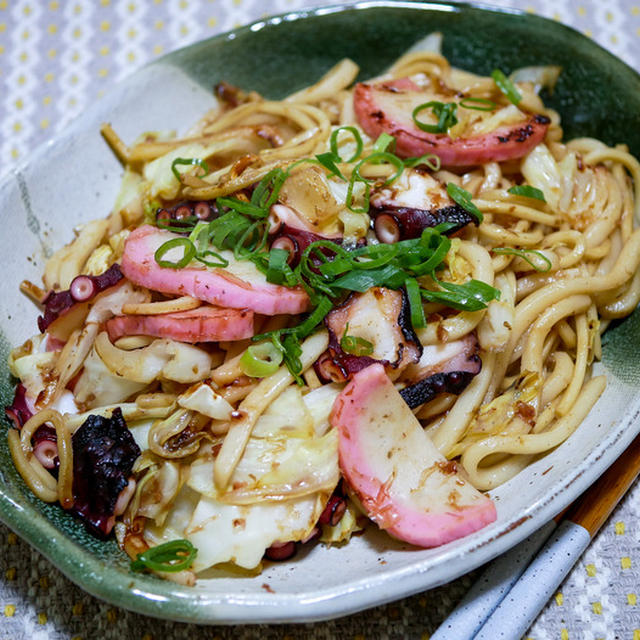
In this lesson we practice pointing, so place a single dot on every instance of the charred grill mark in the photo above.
(453, 382)
(522, 134)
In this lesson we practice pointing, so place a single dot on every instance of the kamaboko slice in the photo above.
(387, 107)
(204, 324)
(244, 288)
(403, 482)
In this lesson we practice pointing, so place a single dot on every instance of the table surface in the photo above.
(56, 58)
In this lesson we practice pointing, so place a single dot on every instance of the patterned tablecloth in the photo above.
(57, 57)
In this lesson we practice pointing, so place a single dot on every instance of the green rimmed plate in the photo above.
(75, 178)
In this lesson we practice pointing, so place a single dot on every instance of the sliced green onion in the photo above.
(333, 144)
(220, 261)
(187, 256)
(354, 345)
(261, 360)
(436, 258)
(463, 198)
(473, 295)
(479, 104)
(170, 557)
(431, 161)
(188, 162)
(446, 114)
(291, 351)
(184, 225)
(276, 267)
(200, 236)
(385, 142)
(323, 306)
(527, 191)
(328, 161)
(349, 200)
(252, 240)
(390, 276)
(415, 303)
(522, 253)
(381, 156)
(266, 192)
(246, 208)
(506, 86)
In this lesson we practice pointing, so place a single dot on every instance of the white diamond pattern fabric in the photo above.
(59, 56)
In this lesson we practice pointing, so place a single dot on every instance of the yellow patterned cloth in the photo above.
(59, 56)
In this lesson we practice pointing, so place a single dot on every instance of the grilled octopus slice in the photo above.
(412, 203)
(446, 368)
(381, 317)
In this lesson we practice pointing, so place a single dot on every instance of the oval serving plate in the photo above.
(75, 178)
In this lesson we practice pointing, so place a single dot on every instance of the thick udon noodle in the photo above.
(539, 340)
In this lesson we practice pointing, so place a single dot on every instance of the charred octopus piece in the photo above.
(447, 368)
(415, 202)
(82, 289)
(103, 455)
(380, 316)
(402, 223)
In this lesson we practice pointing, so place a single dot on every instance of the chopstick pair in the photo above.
(511, 592)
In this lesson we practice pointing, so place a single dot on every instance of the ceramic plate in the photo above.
(75, 178)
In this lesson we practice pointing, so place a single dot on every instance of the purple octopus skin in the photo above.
(297, 240)
(56, 303)
(393, 223)
(104, 452)
(19, 412)
(444, 382)
(45, 447)
(186, 212)
(454, 377)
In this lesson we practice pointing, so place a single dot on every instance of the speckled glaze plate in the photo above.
(75, 178)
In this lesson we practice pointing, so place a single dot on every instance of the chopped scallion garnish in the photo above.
(261, 360)
(527, 191)
(463, 198)
(188, 162)
(415, 303)
(506, 86)
(381, 156)
(385, 142)
(478, 104)
(333, 144)
(431, 161)
(355, 345)
(170, 557)
(189, 252)
(473, 295)
(524, 254)
(219, 261)
(328, 161)
(446, 114)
